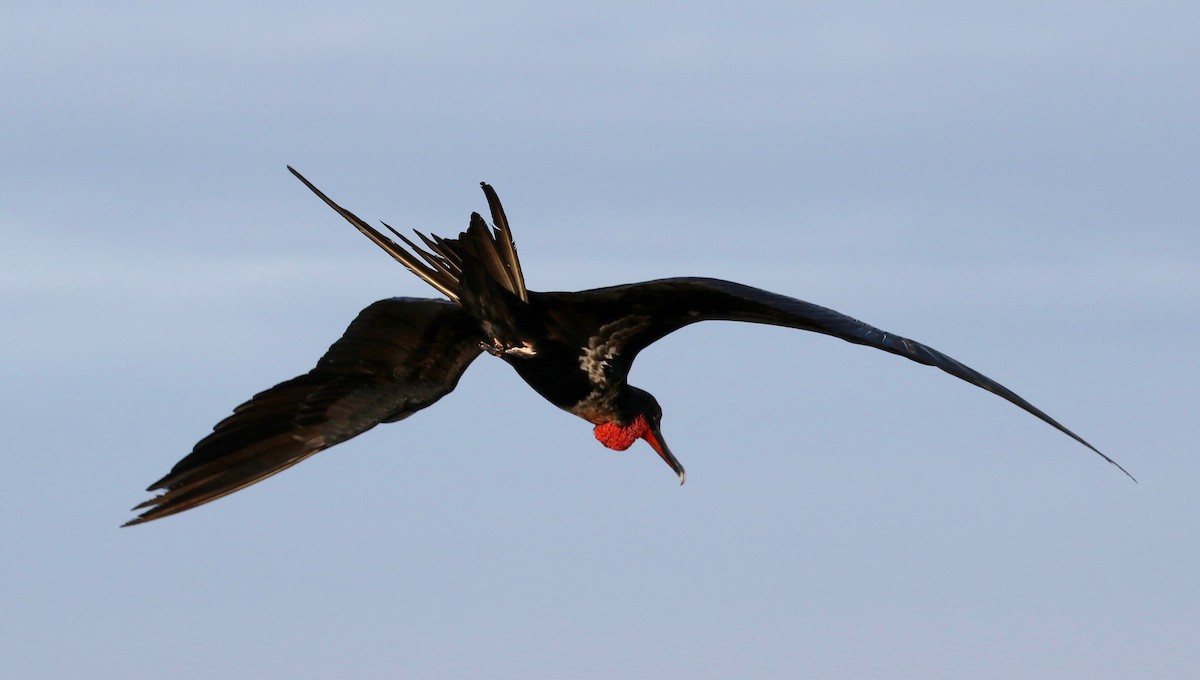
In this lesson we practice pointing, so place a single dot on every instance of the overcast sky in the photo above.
(1013, 183)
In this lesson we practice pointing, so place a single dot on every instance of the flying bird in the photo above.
(401, 355)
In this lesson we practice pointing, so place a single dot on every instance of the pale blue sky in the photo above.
(1012, 183)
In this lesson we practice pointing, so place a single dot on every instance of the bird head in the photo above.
(638, 416)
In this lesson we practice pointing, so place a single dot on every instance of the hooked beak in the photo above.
(654, 438)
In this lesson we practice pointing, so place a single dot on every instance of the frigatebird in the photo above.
(401, 355)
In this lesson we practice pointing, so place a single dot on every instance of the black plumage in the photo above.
(575, 349)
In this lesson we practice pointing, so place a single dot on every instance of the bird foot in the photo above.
(497, 348)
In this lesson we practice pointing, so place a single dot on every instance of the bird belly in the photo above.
(561, 382)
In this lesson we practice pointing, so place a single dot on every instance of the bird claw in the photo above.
(492, 348)
(498, 349)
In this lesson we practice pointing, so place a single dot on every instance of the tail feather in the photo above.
(480, 242)
(447, 285)
(507, 244)
(452, 272)
(437, 245)
(441, 266)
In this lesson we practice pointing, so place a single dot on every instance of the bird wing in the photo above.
(397, 357)
(634, 316)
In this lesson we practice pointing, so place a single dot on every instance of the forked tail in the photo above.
(443, 264)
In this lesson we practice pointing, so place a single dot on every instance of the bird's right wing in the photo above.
(641, 313)
(397, 357)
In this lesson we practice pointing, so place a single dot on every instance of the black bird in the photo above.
(575, 349)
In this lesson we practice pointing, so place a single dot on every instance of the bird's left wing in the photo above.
(397, 357)
(641, 313)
